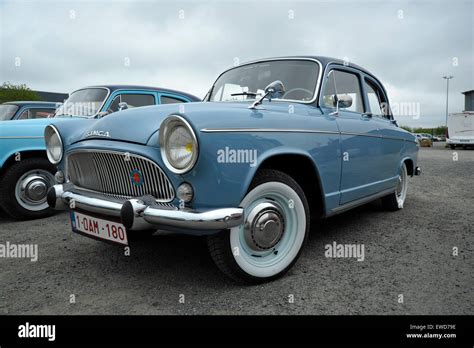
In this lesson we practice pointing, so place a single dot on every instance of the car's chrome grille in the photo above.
(111, 174)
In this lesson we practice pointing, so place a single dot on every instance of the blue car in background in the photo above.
(25, 172)
(274, 143)
(26, 110)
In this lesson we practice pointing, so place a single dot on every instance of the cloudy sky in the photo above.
(63, 45)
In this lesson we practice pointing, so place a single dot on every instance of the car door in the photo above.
(360, 140)
(392, 141)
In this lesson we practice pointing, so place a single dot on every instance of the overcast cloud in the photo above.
(64, 45)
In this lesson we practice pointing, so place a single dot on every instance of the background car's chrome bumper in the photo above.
(142, 213)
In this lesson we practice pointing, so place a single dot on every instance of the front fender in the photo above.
(12, 146)
(220, 181)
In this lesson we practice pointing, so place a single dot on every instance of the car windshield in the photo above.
(247, 82)
(83, 103)
(7, 111)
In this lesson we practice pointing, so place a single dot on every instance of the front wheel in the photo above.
(395, 200)
(271, 239)
(24, 187)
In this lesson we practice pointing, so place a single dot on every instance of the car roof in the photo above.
(113, 88)
(323, 59)
(31, 102)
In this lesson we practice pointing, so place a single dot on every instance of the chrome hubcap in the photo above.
(34, 188)
(264, 226)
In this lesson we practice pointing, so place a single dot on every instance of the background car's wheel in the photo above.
(453, 147)
(24, 186)
(395, 200)
(270, 241)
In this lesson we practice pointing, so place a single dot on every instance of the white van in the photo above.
(460, 129)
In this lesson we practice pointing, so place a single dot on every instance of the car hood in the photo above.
(141, 125)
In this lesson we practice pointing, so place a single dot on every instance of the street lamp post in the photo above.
(447, 78)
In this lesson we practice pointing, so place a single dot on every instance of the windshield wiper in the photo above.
(244, 93)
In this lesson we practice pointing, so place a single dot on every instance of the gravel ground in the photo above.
(409, 252)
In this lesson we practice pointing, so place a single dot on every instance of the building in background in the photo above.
(52, 96)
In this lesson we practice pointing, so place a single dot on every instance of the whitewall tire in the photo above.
(271, 239)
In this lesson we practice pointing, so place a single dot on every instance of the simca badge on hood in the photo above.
(97, 133)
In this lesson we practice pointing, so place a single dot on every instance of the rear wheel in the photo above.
(271, 239)
(396, 200)
(452, 147)
(24, 187)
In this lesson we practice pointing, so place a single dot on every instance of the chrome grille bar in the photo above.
(110, 173)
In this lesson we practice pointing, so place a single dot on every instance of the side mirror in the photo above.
(102, 114)
(123, 106)
(341, 100)
(276, 89)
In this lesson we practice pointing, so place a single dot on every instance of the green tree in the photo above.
(11, 92)
(406, 128)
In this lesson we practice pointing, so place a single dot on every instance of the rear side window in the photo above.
(343, 83)
(377, 102)
(170, 100)
(36, 113)
(132, 100)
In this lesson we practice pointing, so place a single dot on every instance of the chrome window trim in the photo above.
(172, 191)
(316, 90)
(98, 110)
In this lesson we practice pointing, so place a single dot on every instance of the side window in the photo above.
(171, 100)
(40, 113)
(378, 104)
(114, 106)
(24, 115)
(343, 83)
(132, 100)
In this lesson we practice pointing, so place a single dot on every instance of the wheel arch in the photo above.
(11, 158)
(303, 169)
(409, 164)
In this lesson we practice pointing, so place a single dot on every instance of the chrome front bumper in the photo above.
(144, 213)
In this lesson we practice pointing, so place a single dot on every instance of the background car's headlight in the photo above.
(54, 145)
(178, 143)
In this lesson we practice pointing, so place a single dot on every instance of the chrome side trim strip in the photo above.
(279, 130)
(363, 135)
(361, 201)
(275, 130)
(22, 137)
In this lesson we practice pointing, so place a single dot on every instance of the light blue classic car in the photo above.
(25, 172)
(274, 143)
(26, 110)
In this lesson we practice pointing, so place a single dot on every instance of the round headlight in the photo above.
(178, 143)
(54, 145)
